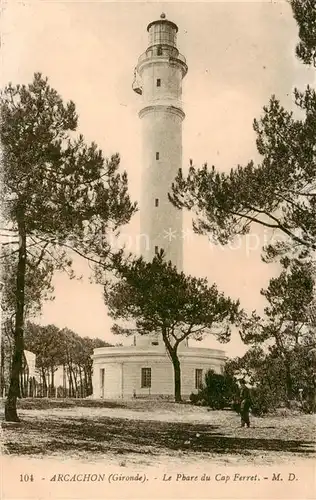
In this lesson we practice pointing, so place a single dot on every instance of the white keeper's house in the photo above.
(144, 368)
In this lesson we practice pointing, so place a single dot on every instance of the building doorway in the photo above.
(102, 374)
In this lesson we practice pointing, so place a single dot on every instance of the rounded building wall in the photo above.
(127, 372)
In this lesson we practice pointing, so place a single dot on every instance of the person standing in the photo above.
(245, 404)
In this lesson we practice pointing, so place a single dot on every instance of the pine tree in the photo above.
(161, 299)
(59, 194)
(278, 193)
(285, 328)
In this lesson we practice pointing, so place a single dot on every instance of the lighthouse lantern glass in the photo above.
(162, 33)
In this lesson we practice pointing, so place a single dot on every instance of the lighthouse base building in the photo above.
(145, 370)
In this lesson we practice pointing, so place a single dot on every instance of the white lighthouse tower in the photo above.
(144, 368)
(158, 79)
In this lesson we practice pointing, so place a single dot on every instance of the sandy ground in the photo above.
(148, 433)
(150, 450)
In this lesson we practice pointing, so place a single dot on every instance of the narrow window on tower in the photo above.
(157, 155)
(159, 51)
(158, 82)
(157, 202)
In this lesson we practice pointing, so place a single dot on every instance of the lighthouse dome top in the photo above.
(163, 21)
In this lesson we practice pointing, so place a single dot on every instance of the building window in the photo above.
(156, 250)
(198, 378)
(156, 202)
(146, 377)
(157, 155)
(158, 82)
(159, 51)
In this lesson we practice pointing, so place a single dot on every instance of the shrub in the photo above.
(309, 405)
(198, 398)
(264, 400)
(219, 391)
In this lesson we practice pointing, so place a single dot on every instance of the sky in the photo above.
(238, 54)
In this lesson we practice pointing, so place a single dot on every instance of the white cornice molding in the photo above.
(161, 108)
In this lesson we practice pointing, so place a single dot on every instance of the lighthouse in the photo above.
(143, 369)
(158, 80)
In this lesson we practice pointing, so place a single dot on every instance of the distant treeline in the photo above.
(63, 365)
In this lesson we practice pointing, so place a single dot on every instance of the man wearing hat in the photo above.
(245, 404)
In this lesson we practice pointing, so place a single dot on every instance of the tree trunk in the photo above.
(173, 353)
(81, 382)
(89, 380)
(21, 395)
(75, 374)
(24, 395)
(52, 381)
(64, 383)
(85, 382)
(288, 381)
(14, 389)
(2, 374)
(177, 378)
(44, 382)
(28, 384)
(71, 386)
(31, 387)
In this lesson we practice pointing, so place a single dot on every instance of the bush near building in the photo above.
(218, 392)
(221, 391)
